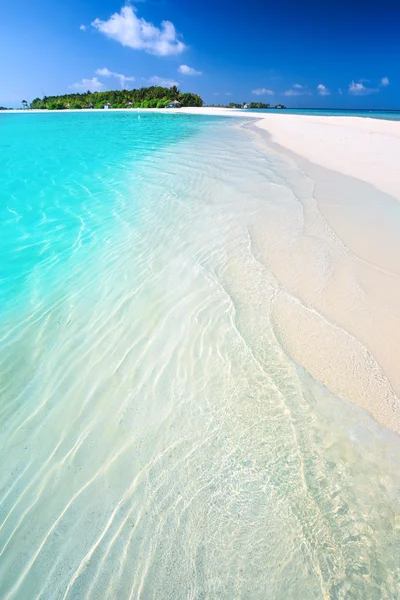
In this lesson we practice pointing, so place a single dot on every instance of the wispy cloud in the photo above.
(323, 90)
(137, 33)
(94, 85)
(340, 92)
(298, 90)
(262, 92)
(120, 76)
(162, 81)
(385, 81)
(83, 27)
(359, 89)
(293, 93)
(186, 70)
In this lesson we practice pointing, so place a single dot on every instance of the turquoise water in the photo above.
(60, 196)
(156, 440)
(388, 115)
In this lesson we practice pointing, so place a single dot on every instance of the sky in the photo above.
(311, 53)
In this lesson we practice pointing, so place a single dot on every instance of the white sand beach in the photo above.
(341, 321)
(338, 313)
(354, 311)
(367, 149)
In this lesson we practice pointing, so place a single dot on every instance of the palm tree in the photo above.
(24, 104)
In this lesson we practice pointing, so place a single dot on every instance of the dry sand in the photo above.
(368, 149)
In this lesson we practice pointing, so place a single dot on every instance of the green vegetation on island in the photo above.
(151, 97)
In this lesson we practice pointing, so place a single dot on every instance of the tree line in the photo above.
(249, 105)
(151, 97)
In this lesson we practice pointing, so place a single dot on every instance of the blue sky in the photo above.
(303, 54)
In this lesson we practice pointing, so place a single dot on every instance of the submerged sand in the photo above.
(157, 440)
(338, 309)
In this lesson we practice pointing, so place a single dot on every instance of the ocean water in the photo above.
(156, 440)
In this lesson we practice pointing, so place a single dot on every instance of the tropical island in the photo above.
(151, 97)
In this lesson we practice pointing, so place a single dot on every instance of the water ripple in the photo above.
(158, 440)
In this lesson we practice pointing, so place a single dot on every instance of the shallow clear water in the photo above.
(156, 441)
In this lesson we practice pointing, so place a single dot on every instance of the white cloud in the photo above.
(385, 81)
(340, 92)
(359, 89)
(94, 85)
(262, 92)
(163, 82)
(185, 70)
(323, 90)
(130, 30)
(122, 78)
(104, 72)
(297, 86)
(83, 27)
